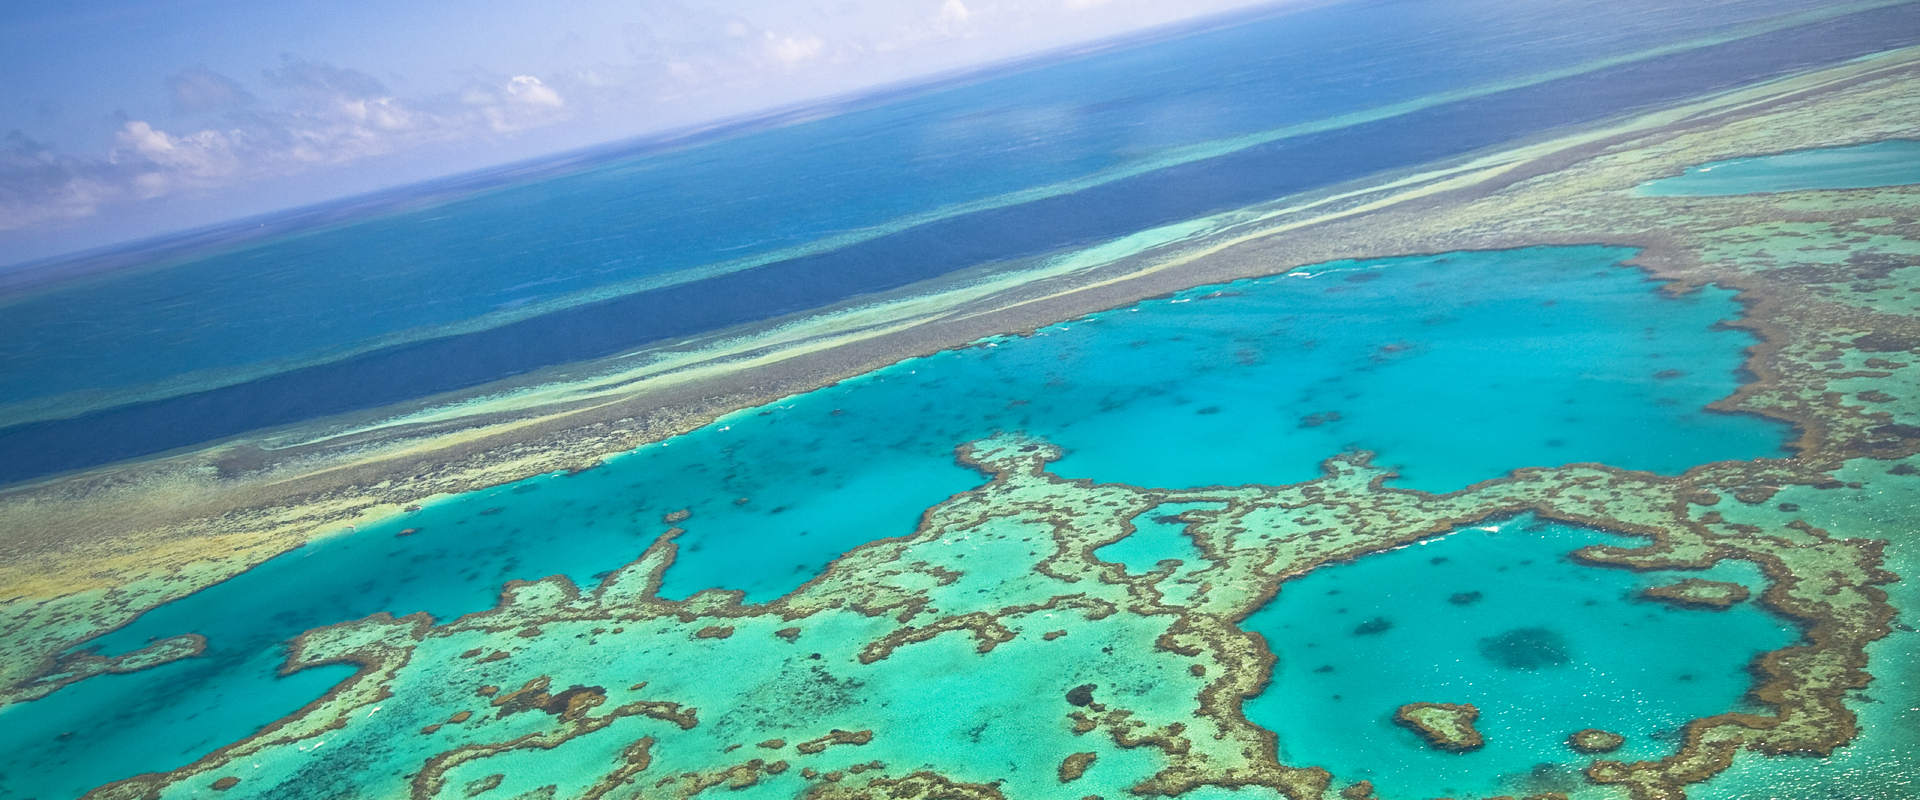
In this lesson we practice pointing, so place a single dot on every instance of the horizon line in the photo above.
(195, 240)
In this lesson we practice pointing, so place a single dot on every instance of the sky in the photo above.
(130, 118)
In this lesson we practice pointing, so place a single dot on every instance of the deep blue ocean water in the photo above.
(409, 304)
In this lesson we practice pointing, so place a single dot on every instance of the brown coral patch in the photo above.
(1444, 726)
(1593, 740)
(1698, 593)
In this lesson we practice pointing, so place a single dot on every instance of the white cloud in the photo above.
(197, 158)
(143, 139)
(382, 113)
(519, 103)
(39, 186)
(791, 50)
(334, 116)
(529, 90)
(954, 12)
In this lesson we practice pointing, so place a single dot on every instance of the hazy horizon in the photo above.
(155, 151)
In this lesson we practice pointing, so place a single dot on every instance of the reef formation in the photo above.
(1594, 740)
(1446, 726)
(810, 692)
(1699, 593)
(864, 682)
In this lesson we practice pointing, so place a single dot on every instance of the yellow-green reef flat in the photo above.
(1678, 414)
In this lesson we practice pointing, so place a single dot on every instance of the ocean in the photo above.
(1048, 159)
(1450, 369)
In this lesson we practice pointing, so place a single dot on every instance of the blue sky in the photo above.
(127, 119)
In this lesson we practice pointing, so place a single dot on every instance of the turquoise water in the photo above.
(1158, 536)
(1496, 616)
(622, 250)
(1875, 503)
(1895, 162)
(1455, 368)
(1160, 542)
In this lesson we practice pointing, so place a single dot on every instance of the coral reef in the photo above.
(847, 686)
(1594, 740)
(1445, 726)
(1699, 593)
(1131, 681)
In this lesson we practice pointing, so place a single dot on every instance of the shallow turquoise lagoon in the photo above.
(1498, 616)
(1454, 368)
(1159, 535)
(1894, 162)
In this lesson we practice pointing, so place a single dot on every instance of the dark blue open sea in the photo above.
(650, 244)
